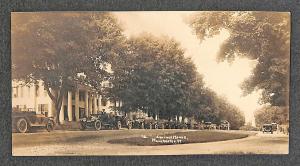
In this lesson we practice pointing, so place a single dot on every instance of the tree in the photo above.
(271, 114)
(154, 76)
(214, 108)
(57, 47)
(260, 36)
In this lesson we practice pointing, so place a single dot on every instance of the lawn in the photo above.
(180, 138)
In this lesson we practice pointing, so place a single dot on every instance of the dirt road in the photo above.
(95, 143)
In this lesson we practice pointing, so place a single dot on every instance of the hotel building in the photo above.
(75, 105)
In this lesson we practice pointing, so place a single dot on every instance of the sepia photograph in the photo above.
(150, 83)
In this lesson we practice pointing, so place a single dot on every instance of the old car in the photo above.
(93, 121)
(104, 121)
(125, 122)
(23, 121)
(207, 125)
(224, 125)
(161, 123)
(172, 125)
(150, 123)
(138, 123)
(267, 128)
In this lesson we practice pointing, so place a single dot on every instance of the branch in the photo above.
(49, 92)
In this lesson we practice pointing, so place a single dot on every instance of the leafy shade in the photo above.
(260, 36)
(57, 47)
(154, 77)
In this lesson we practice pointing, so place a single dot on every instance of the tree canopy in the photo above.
(260, 36)
(271, 114)
(56, 47)
(154, 77)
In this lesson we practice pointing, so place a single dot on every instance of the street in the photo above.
(59, 143)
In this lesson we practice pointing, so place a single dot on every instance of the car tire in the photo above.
(155, 126)
(82, 126)
(98, 125)
(142, 125)
(22, 125)
(119, 125)
(129, 125)
(50, 125)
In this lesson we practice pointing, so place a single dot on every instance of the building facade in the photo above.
(75, 105)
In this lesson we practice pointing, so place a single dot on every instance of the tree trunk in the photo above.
(57, 97)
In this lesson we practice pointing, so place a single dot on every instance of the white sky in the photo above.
(223, 78)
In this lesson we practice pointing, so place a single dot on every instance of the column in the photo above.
(77, 104)
(35, 107)
(86, 103)
(90, 105)
(95, 104)
(70, 115)
(99, 103)
(61, 112)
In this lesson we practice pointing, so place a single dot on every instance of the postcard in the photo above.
(150, 83)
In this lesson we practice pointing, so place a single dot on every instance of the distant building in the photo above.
(76, 104)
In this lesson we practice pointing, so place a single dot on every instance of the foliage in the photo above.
(154, 77)
(57, 47)
(216, 108)
(260, 36)
(271, 114)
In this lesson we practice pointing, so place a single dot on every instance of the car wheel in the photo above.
(98, 125)
(129, 125)
(50, 126)
(82, 126)
(22, 125)
(119, 125)
(142, 125)
(155, 126)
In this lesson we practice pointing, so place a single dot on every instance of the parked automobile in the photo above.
(125, 122)
(267, 128)
(105, 121)
(207, 125)
(224, 125)
(93, 121)
(23, 121)
(161, 123)
(138, 123)
(150, 123)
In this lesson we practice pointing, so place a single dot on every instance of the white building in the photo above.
(76, 104)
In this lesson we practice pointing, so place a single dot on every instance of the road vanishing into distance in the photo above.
(62, 143)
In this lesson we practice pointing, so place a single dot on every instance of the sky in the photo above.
(222, 77)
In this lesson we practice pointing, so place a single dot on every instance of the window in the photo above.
(15, 92)
(21, 107)
(43, 109)
(22, 91)
(73, 96)
(103, 102)
(81, 96)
